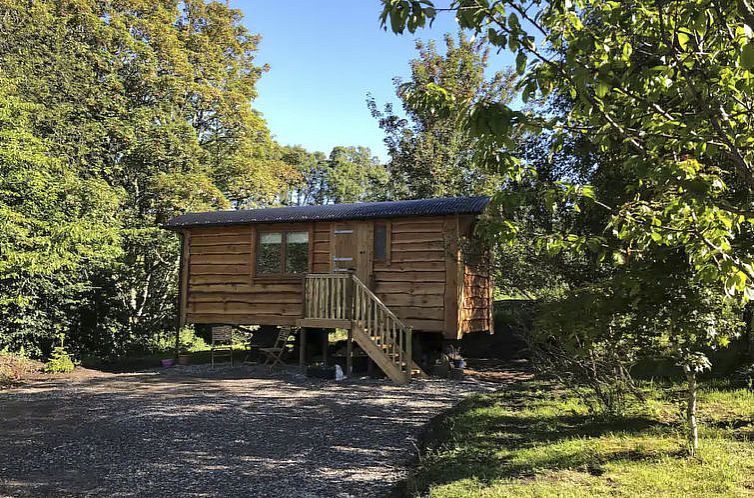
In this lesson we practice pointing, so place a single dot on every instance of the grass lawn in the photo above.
(535, 439)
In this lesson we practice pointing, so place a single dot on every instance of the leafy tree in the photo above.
(152, 100)
(349, 174)
(429, 155)
(56, 226)
(312, 169)
(354, 174)
(666, 87)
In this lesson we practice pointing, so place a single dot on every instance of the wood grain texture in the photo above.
(422, 280)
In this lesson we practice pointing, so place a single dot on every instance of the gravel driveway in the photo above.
(194, 431)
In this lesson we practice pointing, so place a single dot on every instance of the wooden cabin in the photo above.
(382, 270)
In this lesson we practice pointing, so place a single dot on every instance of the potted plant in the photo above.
(454, 355)
(184, 358)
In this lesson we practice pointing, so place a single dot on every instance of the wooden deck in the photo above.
(341, 300)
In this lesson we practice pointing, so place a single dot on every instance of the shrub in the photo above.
(60, 361)
(14, 368)
(164, 341)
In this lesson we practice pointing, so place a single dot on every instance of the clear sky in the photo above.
(324, 58)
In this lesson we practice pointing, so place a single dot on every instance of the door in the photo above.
(351, 249)
(345, 248)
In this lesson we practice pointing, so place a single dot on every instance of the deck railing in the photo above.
(386, 329)
(343, 296)
(328, 296)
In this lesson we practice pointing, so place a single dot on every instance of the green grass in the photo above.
(534, 439)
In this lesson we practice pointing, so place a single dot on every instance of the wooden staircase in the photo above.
(342, 300)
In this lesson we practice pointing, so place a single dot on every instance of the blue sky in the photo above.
(324, 58)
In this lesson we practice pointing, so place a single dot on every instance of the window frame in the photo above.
(283, 231)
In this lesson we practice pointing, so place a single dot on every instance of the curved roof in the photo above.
(358, 211)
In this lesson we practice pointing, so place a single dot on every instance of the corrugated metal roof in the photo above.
(358, 211)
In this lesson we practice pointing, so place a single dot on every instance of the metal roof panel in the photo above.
(330, 212)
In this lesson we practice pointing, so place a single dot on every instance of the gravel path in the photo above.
(194, 431)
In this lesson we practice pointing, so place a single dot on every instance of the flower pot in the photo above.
(167, 362)
(184, 359)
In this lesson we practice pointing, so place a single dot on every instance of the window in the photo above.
(297, 252)
(380, 242)
(282, 253)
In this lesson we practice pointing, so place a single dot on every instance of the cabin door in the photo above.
(349, 249)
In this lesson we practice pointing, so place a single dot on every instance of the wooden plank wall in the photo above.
(322, 235)
(220, 286)
(412, 282)
(423, 280)
(476, 308)
(477, 300)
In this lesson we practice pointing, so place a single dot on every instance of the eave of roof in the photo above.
(332, 212)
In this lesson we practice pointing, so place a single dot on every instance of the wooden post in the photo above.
(183, 281)
(349, 354)
(409, 351)
(325, 345)
(302, 349)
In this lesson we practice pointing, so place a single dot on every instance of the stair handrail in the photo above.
(379, 302)
(403, 342)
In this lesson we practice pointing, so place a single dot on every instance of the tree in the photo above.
(349, 174)
(664, 86)
(152, 100)
(55, 226)
(429, 155)
(354, 175)
(312, 170)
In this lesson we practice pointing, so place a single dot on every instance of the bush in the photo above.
(60, 361)
(188, 341)
(14, 368)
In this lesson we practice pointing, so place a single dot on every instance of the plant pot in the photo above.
(167, 362)
(184, 359)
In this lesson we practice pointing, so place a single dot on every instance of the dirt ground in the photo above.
(198, 431)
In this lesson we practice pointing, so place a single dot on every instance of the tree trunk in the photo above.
(693, 433)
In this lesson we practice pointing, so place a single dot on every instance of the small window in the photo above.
(380, 242)
(282, 253)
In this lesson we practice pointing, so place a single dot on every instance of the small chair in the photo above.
(274, 354)
(222, 343)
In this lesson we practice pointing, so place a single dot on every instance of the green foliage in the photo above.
(355, 175)
(662, 94)
(664, 86)
(164, 342)
(536, 439)
(60, 361)
(349, 174)
(114, 117)
(55, 224)
(430, 156)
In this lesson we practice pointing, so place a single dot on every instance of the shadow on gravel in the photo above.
(225, 432)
